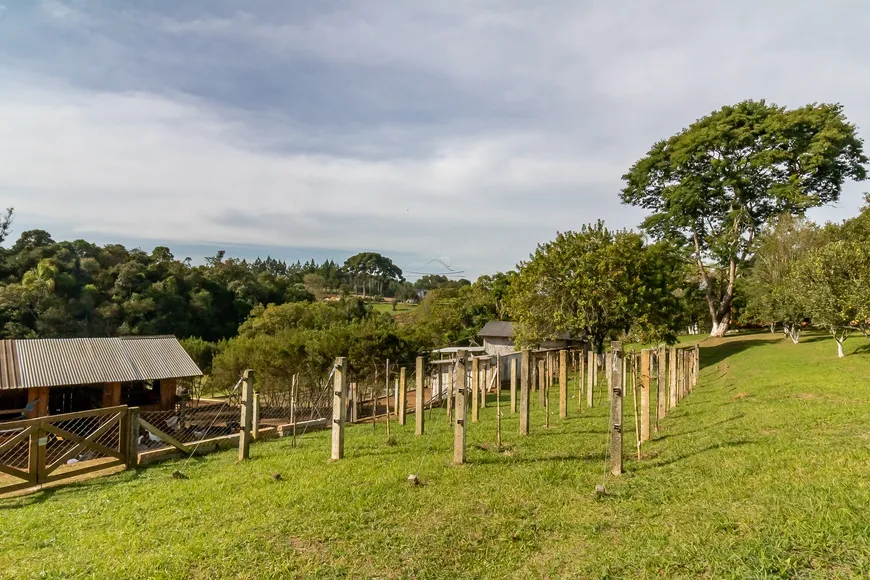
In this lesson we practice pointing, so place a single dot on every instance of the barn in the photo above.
(40, 377)
(498, 339)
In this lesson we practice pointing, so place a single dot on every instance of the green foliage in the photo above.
(595, 283)
(5, 224)
(772, 290)
(201, 351)
(833, 282)
(454, 314)
(713, 185)
(370, 268)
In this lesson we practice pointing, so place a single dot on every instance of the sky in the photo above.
(465, 130)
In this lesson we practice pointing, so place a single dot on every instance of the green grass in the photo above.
(762, 472)
(388, 307)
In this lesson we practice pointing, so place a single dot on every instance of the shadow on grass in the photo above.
(493, 459)
(699, 430)
(653, 464)
(713, 355)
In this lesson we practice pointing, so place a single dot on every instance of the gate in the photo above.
(38, 451)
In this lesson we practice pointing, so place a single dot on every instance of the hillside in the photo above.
(761, 472)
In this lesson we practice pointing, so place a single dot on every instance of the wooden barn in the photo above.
(40, 377)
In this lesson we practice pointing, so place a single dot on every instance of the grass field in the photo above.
(762, 472)
(388, 307)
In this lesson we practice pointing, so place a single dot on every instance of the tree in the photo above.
(367, 267)
(772, 293)
(713, 185)
(5, 224)
(832, 281)
(591, 283)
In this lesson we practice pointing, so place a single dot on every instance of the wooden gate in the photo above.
(38, 451)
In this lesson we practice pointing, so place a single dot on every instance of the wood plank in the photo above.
(15, 472)
(86, 441)
(16, 440)
(92, 438)
(164, 436)
(81, 471)
(81, 414)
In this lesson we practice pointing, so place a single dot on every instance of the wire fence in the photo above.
(190, 422)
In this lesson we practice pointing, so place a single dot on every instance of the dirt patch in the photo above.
(741, 396)
(804, 396)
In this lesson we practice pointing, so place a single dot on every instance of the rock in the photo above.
(178, 475)
(413, 479)
(600, 490)
(277, 477)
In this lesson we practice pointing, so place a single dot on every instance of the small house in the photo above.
(51, 376)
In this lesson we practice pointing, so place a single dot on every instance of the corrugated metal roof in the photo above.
(505, 329)
(160, 357)
(10, 372)
(53, 362)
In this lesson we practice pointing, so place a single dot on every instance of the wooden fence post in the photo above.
(459, 431)
(255, 425)
(542, 381)
(339, 407)
(616, 409)
(484, 383)
(498, 401)
(525, 385)
(514, 363)
(354, 412)
(581, 360)
(419, 397)
(661, 386)
(451, 387)
(697, 364)
(402, 406)
(563, 384)
(645, 384)
(672, 377)
(590, 377)
(608, 373)
(475, 389)
(133, 437)
(247, 415)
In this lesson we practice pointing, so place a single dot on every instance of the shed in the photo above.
(498, 338)
(63, 375)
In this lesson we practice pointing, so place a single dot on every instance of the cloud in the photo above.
(469, 128)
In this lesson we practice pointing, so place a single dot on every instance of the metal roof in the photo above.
(505, 329)
(53, 362)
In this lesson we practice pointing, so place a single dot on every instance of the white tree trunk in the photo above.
(719, 328)
(795, 333)
(840, 352)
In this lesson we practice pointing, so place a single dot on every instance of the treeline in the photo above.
(54, 288)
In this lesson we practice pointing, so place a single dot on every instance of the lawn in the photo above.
(761, 472)
(387, 307)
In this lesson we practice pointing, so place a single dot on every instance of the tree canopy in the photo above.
(713, 185)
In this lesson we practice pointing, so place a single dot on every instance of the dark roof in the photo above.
(53, 362)
(505, 329)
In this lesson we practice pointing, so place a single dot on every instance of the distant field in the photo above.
(762, 472)
(388, 307)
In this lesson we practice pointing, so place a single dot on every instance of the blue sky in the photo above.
(469, 130)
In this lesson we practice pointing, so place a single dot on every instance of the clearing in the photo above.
(761, 472)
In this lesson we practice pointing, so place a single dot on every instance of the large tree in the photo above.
(594, 283)
(713, 185)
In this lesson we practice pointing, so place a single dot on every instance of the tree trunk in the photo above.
(794, 333)
(772, 327)
(720, 327)
(840, 352)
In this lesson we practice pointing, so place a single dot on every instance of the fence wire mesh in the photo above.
(191, 422)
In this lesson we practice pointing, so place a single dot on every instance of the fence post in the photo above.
(419, 397)
(459, 430)
(590, 377)
(247, 415)
(484, 383)
(255, 425)
(353, 410)
(661, 386)
(697, 364)
(616, 410)
(608, 373)
(525, 386)
(563, 384)
(672, 377)
(339, 407)
(542, 381)
(580, 364)
(475, 389)
(132, 437)
(514, 364)
(451, 387)
(403, 396)
(645, 383)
